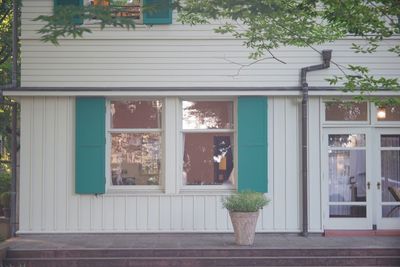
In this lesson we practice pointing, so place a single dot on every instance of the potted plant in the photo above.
(244, 208)
(5, 199)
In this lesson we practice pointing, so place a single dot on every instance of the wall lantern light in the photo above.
(381, 114)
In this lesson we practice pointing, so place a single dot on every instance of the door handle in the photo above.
(368, 185)
(378, 185)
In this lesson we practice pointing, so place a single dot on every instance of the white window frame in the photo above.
(110, 188)
(346, 123)
(224, 188)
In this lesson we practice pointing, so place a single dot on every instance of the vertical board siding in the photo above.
(47, 175)
(314, 163)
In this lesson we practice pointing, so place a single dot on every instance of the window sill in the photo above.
(207, 189)
(139, 189)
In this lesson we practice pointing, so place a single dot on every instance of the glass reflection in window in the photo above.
(136, 114)
(346, 111)
(207, 115)
(346, 140)
(208, 159)
(135, 158)
(390, 113)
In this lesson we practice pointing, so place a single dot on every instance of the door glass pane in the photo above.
(346, 140)
(390, 180)
(347, 176)
(390, 140)
(391, 211)
(346, 111)
(347, 211)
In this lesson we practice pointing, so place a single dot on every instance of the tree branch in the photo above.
(5, 15)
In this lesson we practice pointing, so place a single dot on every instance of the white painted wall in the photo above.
(48, 202)
(172, 56)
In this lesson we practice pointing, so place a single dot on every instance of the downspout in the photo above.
(326, 58)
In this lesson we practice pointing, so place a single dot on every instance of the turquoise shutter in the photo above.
(90, 145)
(68, 3)
(58, 3)
(160, 12)
(252, 143)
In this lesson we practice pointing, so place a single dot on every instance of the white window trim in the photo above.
(191, 189)
(151, 189)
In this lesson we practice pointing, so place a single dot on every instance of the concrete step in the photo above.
(203, 257)
(200, 253)
(206, 261)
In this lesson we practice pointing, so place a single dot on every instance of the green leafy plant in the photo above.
(5, 199)
(246, 201)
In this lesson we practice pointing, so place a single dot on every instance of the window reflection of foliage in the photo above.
(142, 149)
(347, 140)
(206, 115)
(350, 110)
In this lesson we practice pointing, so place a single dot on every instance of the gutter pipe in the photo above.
(326, 58)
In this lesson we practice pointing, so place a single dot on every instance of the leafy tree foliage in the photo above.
(6, 15)
(265, 25)
(66, 21)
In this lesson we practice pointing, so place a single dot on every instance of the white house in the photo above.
(146, 131)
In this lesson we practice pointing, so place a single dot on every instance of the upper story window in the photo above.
(208, 141)
(122, 8)
(136, 141)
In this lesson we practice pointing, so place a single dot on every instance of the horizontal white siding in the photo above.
(173, 56)
(48, 202)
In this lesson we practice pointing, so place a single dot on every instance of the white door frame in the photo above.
(346, 223)
(382, 222)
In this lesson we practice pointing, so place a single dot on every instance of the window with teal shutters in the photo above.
(90, 145)
(252, 143)
(158, 12)
(58, 3)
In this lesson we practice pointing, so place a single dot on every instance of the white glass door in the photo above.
(388, 178)
(346, 179)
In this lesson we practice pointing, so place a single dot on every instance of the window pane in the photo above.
(390, 175)
(347, 178)
(136, 114)
(391, 211)
(207, 115)
(135, 158)
(208, 159)
(390, 114)
(345, 211)
(346, 111)
(121, 8)
(346, 140)
(390, 140)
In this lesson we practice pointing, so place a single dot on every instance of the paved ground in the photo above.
(178, 241)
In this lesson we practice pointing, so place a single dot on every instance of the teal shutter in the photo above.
(159, 12)
(90, 145)
(58, 3)
(68, 3)
(252, 143)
